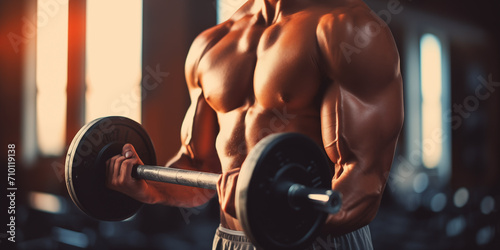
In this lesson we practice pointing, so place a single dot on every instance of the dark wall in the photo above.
(169, 30)
(11, 49)
(10, 103)
(475, 75)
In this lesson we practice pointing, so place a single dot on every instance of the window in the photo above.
(51, 76)
(432, 91)
(114, 51)
(113, 43)
(435, 94)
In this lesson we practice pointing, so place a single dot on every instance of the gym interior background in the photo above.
(65, 62)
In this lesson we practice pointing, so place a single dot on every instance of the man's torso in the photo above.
(262, 78)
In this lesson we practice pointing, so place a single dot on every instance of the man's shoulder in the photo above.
(203, 42)
(353, 27)
(344, 17)
(353, 39)
(215, 32)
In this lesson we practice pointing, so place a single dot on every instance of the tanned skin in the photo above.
(286, 66)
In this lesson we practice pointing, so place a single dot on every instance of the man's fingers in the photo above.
(110, 169)
(127, 165)
(117, 168)
(128, 151)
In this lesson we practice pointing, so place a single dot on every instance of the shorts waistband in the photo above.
(232, 235)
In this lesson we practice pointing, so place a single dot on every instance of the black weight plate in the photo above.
(265, 215)
(85, 170)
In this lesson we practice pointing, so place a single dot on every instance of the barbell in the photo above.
(283, 193)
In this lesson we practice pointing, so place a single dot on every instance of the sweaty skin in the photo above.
(326, 68)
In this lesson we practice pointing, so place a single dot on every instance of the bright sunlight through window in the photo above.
(51, 75)
(432, 109)
(114, 40)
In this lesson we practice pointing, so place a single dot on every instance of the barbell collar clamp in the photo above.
(325, 200)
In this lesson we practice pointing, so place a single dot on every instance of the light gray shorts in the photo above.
(227, 239)
(231, 239)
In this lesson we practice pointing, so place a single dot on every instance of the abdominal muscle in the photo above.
(242, 128)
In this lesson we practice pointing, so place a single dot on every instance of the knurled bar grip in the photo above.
(176, 176)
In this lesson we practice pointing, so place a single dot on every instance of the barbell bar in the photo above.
(322, 199)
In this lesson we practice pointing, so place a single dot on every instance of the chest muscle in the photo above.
(269, 65)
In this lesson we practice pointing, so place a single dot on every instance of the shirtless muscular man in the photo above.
(293, 57)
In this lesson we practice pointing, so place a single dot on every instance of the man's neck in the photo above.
(271, 9)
